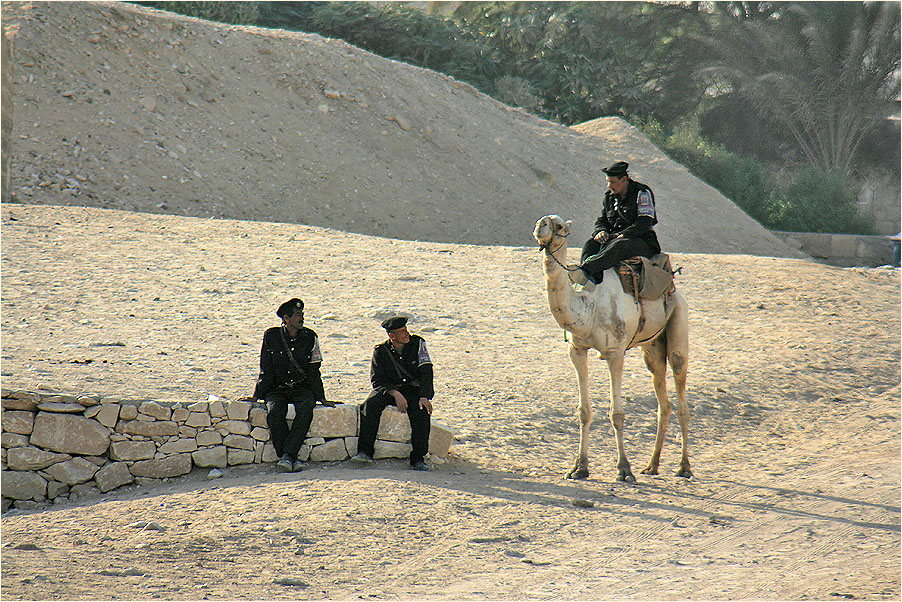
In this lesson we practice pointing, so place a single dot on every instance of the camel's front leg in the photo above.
(580, 361)
(615, 366)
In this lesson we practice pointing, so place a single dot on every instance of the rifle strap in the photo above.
(291, 357)
(398, 367)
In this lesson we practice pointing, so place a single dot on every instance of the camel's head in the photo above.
(549, 228)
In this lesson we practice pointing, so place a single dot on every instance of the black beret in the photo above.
(617, 170)
(289, 307)
(394, 323)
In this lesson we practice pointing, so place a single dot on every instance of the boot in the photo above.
(577, 275)
(580, 277)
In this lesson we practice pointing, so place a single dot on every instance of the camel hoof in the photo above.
(627, 478)
(578, 473)
(685, 473)
(649, 470)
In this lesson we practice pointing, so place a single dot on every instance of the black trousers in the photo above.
(284, 440)
(597, 257)
(371, 413)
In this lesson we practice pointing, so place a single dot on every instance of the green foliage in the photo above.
(405, 34)
(798, 200)
(743, 180)
(234, 13)
(827, 72)
(811, 200)
(730, 120)
(293, 16)
(517, 92)
(588, 59)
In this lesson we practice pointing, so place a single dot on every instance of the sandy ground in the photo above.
(793, 384)
(794, 368)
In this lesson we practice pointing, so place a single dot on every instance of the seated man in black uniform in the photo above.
(401, 375)
(624, 229)
(289, 373)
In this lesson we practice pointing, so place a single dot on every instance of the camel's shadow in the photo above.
(654, 498)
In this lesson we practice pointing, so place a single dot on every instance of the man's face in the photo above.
(295, 320)
(617, 185)
(399, 336)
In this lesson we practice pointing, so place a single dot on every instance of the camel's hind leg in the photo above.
(678, 355)
(656, 359)
(580, 361)
(615, 366)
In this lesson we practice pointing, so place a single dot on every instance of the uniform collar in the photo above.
(288, 334)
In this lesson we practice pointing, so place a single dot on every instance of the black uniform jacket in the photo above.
(277, 371)
(633, 216)
(416, 372)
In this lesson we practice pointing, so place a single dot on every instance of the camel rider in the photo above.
(624, 229)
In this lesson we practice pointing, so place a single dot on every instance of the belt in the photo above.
(289, 385)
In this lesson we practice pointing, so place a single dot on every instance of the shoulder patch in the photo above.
(645, 204)
(316, 355)
(423, 357)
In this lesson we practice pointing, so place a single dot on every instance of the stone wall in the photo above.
(57, 447)
(844, 250)
(879, 198)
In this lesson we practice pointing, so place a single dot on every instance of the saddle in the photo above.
(645, 278)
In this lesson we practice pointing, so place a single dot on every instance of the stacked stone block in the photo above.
(844, 250)
(57, 447)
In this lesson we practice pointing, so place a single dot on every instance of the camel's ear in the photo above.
(569, 223)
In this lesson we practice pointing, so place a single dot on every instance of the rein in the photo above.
(551, 253)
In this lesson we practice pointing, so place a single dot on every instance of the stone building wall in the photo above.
(57, 447)
(844, 250)
(879, 198)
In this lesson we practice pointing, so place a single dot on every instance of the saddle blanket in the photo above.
(646, 278)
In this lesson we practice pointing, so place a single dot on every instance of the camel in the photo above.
(607, 319)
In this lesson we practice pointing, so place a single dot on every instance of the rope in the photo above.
(551, 253)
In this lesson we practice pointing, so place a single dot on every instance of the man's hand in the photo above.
(328, 404)
(425, 404)
(399, 400)
(602, 237)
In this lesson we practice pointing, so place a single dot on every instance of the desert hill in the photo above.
(122, 107)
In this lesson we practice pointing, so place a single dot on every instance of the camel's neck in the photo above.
(568, 312)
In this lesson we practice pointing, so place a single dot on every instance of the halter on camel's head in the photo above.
(550, 227)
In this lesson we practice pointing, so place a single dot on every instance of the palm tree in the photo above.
(827, 71)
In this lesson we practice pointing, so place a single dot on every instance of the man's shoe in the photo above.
(298, 466)
(362, 458)
(580, 277)
(285, 464)
(421, 466)
(577, 275)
